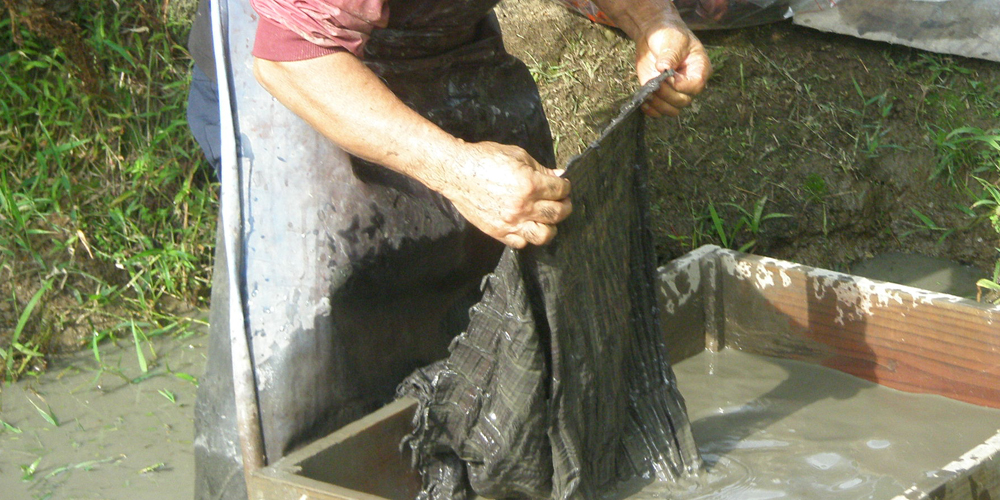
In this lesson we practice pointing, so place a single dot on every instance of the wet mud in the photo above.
(770, 428)
(115, 434)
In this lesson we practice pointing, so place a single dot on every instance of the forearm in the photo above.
(499, 188)
(637, 17)
(343, 100)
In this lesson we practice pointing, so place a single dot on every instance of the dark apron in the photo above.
(353, 275)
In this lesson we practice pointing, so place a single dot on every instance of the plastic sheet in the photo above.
(719, 14)
(968, 28)
(560, 387)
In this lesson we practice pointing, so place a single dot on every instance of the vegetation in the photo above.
(106, 210)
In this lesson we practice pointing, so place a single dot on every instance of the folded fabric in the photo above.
(560, 387)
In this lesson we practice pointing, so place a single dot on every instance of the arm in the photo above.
(663, 41)
(499, 189)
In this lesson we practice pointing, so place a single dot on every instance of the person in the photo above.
(388, 150)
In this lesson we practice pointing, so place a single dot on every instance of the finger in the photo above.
(671, 96)
(551, 212)
(538, 234)
(650, 111)
(514, 241)
(550, 187)
(656, 108)
(693, 76)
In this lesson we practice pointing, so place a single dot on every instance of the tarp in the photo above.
(718, 14)
(969, 28)
(560, 387)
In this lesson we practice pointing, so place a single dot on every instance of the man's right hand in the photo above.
(499, 189)
(508, 195)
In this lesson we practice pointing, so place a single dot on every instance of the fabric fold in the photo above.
(560, 386)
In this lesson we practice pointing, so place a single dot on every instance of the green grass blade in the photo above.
(138, 348)
(23, 320)
(46, 414)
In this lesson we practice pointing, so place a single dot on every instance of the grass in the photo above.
(741, 235)
(865, 147)
(106, 211)
(989, 199)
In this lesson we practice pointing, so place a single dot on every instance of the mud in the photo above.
(770, 428)
(119, 436)
(921, 271)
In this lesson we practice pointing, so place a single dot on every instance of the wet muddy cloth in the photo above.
(560, 387)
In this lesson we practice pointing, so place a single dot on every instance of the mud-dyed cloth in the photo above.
(560, 388)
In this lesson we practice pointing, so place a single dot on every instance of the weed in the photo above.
(725, 235)
(928, 226)
(136, 334)
(46, 414)
(186, 377)
(86, 466)
(10, 428)
(153, 468)
(937, 67)
(960, 151)
(28, 470)
(22, 350)
(990, 199)
(68, 146)
(990, 284)
(543, 71)
(168, 395)
(871, 129)
(749, 222)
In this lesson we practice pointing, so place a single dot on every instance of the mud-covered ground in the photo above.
(847, 138)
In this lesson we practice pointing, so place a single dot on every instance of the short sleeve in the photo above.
(291, 30)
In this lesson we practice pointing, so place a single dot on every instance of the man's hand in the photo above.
(672, 46)
(504, 192)
(499, 189)
(662, 42)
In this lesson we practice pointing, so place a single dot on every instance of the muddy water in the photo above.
(767, 429)
(770, 428)
(119, 433)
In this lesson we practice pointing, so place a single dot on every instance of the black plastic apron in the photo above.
(353, 276)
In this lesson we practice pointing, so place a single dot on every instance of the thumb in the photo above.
(669, 60)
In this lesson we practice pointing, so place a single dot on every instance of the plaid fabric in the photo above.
(560, 387)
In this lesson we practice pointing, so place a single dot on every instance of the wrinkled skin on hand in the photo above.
(508, 195)
(672, 46)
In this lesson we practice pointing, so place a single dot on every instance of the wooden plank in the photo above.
(901, 337)
(685, 315)
(268, 484)
(362, 460)
(973, 476)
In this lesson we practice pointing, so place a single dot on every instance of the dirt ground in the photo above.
(845, 137)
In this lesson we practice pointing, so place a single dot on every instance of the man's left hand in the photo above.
(671, 46)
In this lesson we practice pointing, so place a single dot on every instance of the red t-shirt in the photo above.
(292, 30)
